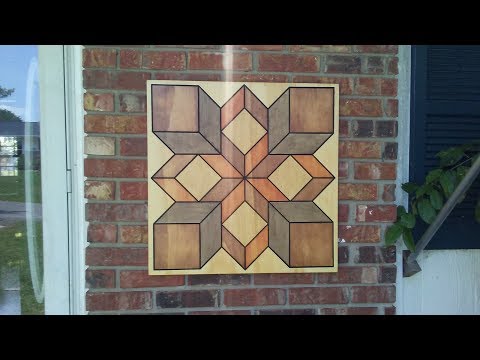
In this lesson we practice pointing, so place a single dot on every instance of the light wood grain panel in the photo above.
(256, 247)
(173, 166)
(244, 224)
(196, 170)
(244, 131)
(175, 108)
(174, 189)
(177, 246)
(311, 245)
(311, 110)
(290, 178)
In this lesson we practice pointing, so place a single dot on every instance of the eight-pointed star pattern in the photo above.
(243, 176)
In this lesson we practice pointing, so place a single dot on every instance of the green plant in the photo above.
(428, 198)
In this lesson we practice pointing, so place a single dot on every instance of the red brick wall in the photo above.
(115, 124)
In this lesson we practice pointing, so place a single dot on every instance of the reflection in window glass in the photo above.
(21, 245)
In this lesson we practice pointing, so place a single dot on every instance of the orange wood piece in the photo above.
(173, 188)
(256, 154)
(313, 166)
(233, 201)
(221, 166)
(267, 189)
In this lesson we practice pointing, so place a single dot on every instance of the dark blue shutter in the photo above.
(445, 111)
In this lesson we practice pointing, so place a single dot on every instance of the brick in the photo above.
(115, 168)
(320, 48)
(194, 298)
(373, 294)
(255, 77)
(343, 64)
(283, 279)
(141, 279)
(116, 212)
(367, 86)
(359, 233)
(390, 310)
(343, 254)
(97, 79)
(390, 152)
(386, 128)
(287, 312)
(376, 213)
(133, 234)
(387, 275)
(388, 87)
(288, 63)
(343, 210)
(118, 124)
(350, 311)
(99, 58)
(130, 59)
(360, 107)
(98, 102)
(188, 76)
(388, 194)
(344, 128)
(357, 191)
(102, 233)
(164, 60)
(133, 146)
(124, 256)
(375, 65)
(99, 145)
(323, 295)
(95, 279)
(375, 171)
(243, 279)
(379, 49)
(342, 169)
(257, 47)
(220, 312)
(100, 190)
(128, 80)
(254, 297)
(133, 103)
(345, 83)
(350, 275)
(392, 66)
(132, 300)
(133, 191)
(219, 61)
(188, 46)
(362, 128)
(375, 254)
(391, 108)
(360, 149)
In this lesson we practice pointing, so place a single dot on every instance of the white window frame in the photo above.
(61, 134)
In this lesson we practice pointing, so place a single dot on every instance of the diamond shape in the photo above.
(244, 131)
(290, 178)
(198, 178)
(244, 223)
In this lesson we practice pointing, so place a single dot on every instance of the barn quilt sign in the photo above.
(242, 177)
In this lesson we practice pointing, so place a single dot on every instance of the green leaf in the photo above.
(414, 208)
(409, 187)
(408, 220)
(393, 233)
(450, 156)
(477, 211)
(461, 172)
(426, 211)
(408, 239)
(400, 211)
(447, 181)
(422, 190)
(436, 199)
(433, 175)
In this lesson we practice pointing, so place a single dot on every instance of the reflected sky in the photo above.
(14, 64)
